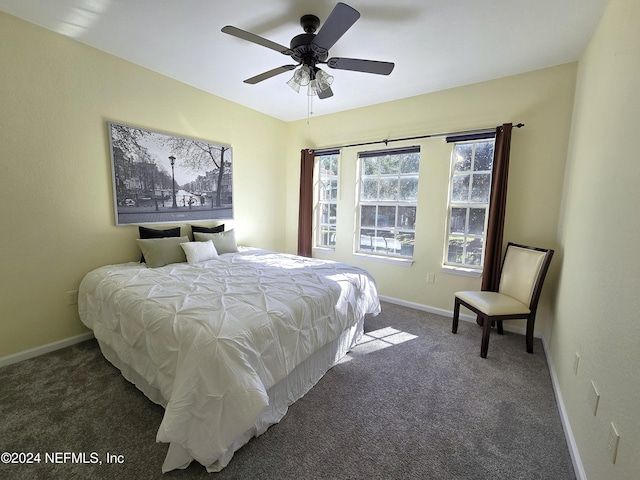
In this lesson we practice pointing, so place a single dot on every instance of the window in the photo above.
(326, 199)
(469, 187)
(388, 200)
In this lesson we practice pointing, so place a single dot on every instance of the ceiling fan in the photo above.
(310, 50)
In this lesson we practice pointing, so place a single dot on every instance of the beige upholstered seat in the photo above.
(523, 271)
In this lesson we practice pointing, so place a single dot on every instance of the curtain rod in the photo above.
(386, 141)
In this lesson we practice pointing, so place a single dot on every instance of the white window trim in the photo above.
(317, 202)
(380, 257)
(402, 261)
(458, 270)
(455, 268)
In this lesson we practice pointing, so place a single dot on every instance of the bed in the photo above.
(228, 344)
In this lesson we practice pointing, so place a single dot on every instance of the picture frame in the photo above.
(164, 178)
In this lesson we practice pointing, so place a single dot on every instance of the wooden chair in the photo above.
(521, 277)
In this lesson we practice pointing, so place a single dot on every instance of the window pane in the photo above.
(328, 236)
(460, 190)
(367, 238)
(407, 217)
(387, 242)
(406, 241)
(456, 249)
(409, 189)
(368, 215)
(481, 188)
(388, 189)
(458, 220)
(369, 189)
(332, 213)
(325, 190)
(476, 221)
(484, 156)
(410, 163)
(380, 243)
(334, 165)
(333, 185)
(370, 166)
(386, 217)
(462, 157)
(474, 251)
(328, 165)
(324, 215)
(389, 164)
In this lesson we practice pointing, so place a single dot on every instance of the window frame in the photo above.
(396, 205)
(469, 205)
(319, 200)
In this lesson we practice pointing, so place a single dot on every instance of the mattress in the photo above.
(228, 344)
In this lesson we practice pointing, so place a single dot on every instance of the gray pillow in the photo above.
(225, 242)
(162, 251)
(154, 233)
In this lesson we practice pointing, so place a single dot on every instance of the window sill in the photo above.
(404, 262)
(466, 272)
(324, 250)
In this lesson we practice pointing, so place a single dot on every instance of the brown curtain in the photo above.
(305, 211)
(497, 210)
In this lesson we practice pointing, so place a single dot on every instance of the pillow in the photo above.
(197, 252)
(162, 251)
(225, 242)
(216, 229)
(153, 233)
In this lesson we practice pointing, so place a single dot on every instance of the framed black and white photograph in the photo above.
(163, 178)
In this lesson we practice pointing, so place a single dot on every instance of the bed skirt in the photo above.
(281, 395)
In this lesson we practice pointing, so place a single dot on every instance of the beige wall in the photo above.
(599, 294)
(56, 192)
(542, 100)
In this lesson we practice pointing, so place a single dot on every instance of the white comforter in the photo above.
(213, 337)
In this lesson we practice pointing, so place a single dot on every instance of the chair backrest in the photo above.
(523, 272)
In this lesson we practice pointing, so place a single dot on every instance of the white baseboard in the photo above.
(568, 432)
(449, 313)
(50, 347)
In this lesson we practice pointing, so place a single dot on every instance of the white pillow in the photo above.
(199, 251)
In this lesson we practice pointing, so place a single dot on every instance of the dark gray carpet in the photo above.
(411, 401)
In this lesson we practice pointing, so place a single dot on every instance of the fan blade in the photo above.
(357, 65)
(269, 74)
(341, 18)
(253, 38)
(326, 93)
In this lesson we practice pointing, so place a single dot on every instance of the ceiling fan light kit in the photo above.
(310, 49)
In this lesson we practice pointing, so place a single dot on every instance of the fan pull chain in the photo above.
(309, 107)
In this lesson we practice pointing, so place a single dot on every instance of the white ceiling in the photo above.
(435, 44)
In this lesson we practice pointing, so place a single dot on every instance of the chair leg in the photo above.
(486, 331)
(456, 314)
(500, 329)
(530, 324)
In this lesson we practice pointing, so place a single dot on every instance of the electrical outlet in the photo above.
(576, 363)
(594, 398)
(72, 297)
(612, 444)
